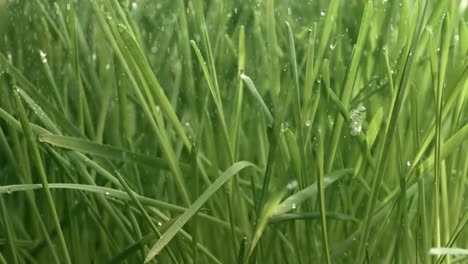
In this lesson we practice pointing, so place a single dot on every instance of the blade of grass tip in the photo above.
(142, 210)
(330, 21)
(349, 81)
(10, 235)
(42, 173)
(246, 79)
(263, 219)
(38, 111)
(216, 97)
(321, 192)
(206, 40)
(299, 197)
(396, 105)
(240, 93)
(38, 98)
(185, 217)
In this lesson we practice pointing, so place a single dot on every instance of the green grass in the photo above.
(233, 131)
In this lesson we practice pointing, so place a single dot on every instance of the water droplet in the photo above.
(284, 126)
(292, 185)
(323, 13)
(107, 66)
(289, 11)
(43, 56)
(134, 6)
(9, 191)
(357, 116)
(107, 193)
(293, 206)
(122, 27)
(235, 10)
(308, 123)
(408, 163)
(159, 224)
(332, 46)
(94, 57)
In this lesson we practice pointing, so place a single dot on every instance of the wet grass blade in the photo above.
(192, 210)
(42, 173)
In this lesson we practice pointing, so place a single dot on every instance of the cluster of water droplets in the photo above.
(43, 56)
(357, 116)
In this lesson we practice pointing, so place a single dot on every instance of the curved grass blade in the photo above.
(105, 151)
(257, 97)
(267, 212)
(185, 217)
(296, 199)
(42, 173)
(38, 98)
(312, 216)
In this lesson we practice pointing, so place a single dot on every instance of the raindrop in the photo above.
(235, 10)
(134, 6)
(357, 116)
(332, 46)
(43, 56)
(292, 185)
(107, 66)
(159, 224)
(284, 126)
(308, 123)
(9, 191)
(293, 206)
(323, 13)
(107, 193)
(408, 163)
(122, 27)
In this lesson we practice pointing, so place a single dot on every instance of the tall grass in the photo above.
(233, 131)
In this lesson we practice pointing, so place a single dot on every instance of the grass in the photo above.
(233, 131)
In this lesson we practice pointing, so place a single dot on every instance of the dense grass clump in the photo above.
(233, 131)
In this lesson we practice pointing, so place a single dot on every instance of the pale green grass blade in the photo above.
(448, 251)
(105, 151)
(192, 210)
(296, 199)
(246, 79)
(42, 173)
